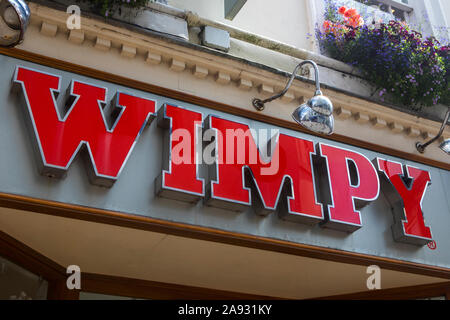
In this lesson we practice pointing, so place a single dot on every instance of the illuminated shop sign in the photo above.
(306, 182)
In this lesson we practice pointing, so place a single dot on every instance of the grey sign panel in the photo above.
(134, 191)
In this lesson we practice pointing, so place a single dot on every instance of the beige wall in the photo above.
(446, 9)
(211, 9)
(285, 21)
(439, 13)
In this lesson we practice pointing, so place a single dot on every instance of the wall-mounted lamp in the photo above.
(445, 146)
(14, 20)
(316, 114)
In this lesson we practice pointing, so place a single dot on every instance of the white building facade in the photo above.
(134, 234)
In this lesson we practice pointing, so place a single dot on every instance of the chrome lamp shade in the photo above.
(314, 121)
(316, 115)
(445, 146)
(321, 104)
(14, 20)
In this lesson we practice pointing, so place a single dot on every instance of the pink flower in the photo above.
(350, 13)
(355, 21)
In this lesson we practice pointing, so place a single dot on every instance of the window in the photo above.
(398, 9)
(99, 296)
(16, 283)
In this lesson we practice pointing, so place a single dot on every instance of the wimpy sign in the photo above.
(305, 182)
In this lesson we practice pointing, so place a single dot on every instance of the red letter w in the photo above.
(60, 137)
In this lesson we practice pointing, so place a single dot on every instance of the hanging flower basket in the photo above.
(404, 67)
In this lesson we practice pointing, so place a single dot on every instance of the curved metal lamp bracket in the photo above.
(422, 146)
(259, 104)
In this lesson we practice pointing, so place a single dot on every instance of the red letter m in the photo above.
(61, 136)
(288, 176)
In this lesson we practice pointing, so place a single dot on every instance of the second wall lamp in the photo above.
(445, 146)
(14, 19)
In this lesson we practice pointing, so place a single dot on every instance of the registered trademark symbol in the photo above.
(432, 245)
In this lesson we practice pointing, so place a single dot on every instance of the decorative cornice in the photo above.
(352, 113)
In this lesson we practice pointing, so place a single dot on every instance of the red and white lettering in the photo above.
(406, 200)
(353, 184)
(60, 138)
(180, 181)
(291, 163)
(238, 168)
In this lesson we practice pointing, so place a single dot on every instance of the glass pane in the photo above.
(399, 14)
(99, 296)
(434, 298)
(16, 283)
